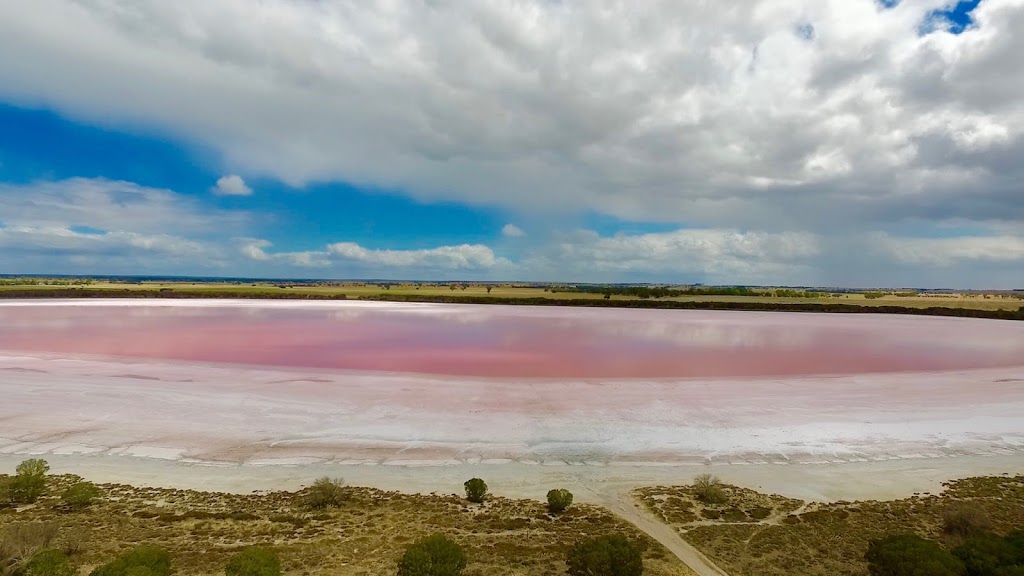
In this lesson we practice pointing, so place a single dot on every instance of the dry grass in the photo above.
(365, 535)
(793, 538)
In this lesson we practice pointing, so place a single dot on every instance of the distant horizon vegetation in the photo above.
(141, 278)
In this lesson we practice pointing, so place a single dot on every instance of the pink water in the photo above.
(514, 341)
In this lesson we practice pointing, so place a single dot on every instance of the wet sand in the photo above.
(244, 427)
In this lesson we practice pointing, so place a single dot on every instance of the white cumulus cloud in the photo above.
(512, 231)
(231, 185)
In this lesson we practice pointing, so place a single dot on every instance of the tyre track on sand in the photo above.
(624, 506)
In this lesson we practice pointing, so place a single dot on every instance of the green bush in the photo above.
(965, 519)
(709, 489)
(559, 500)
(908, 555)
(984, 555)
(80, 495)
(255, 561)
(612, 555)
(140, 561)
(326, 493)
(476, 490)
(49, 562)
(434, 555)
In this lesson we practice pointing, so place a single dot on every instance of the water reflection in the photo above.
(513, 341)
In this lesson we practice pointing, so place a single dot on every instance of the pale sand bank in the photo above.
(598, 484)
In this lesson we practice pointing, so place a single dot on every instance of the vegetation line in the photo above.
(766, 306)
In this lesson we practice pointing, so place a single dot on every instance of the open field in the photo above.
(755, 534)
(366, 535)
(355, 290)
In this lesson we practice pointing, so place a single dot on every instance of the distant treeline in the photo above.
(183, 293)
(532, 301)
(665, 292)
(45, 282)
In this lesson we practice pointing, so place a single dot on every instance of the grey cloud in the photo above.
(674, 112)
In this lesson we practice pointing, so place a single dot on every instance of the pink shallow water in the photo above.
(501, 341)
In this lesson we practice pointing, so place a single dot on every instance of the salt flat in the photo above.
(270, 426)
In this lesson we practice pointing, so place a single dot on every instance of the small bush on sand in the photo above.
(612, 555)
(476, 490)
(434, 555)
(709, 489)
(256, 561)
(326, 493)
(965, 519)
(80, 495)
(49, 562)
(559, 500)
(139, 561)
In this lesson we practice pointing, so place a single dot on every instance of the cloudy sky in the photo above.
(817, 142)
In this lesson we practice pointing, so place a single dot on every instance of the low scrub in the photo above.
(434, 555)
(326, 493)
(612, 555)
(79, 495)
(255, 561)
(139, 561)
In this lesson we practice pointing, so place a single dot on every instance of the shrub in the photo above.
(80, 495)
(908, 555)
(559, 500)
(20, 542)
(139, 561)
(709, 489)
(612, 555)
(984, 555)
(255, 561)
(326, 493)
(49, 562)
(476, 490)
(434, 555)
(965, 519)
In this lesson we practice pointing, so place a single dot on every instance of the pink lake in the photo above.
(510, 341)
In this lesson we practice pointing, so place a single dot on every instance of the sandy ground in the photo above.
(242, 428)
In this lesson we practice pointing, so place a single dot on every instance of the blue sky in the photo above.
(845, 142)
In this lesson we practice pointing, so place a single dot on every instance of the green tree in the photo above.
(140, 561)
(559, 500)
(476, 490)
(612, 555)
(29, 481)
(256, 561)
(33, 467)
(49, 562)
(80, 495)
(908, 555)
(434, 555)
